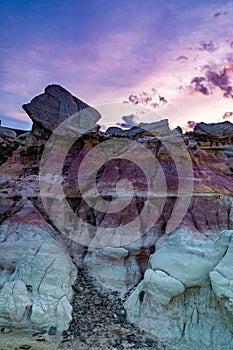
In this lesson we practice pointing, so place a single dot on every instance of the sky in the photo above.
(173, 57)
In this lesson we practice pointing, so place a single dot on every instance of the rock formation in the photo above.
(7, 143)
(55, 105)
(186, 292)
(214, 134)
(36, 272)
(181, 275)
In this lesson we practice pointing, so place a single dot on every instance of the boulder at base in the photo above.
(36, 274)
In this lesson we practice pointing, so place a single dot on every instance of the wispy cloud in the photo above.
(207, 46)
(128, 121)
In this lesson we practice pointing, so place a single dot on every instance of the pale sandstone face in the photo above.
(185, 298)
(36, 273)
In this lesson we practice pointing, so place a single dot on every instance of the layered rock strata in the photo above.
(182, 273)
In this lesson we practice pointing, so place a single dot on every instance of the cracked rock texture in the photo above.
(101, 263)
(185, 298)
(180, 283)
(36, 273)
(54, 106)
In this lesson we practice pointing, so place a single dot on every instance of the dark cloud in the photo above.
(133, 99)
(217, 14)
(162, 99)
(155, 105)
(227, 115)
(228, 92)
(142, 98)
(221, 80)
(152, 99)
(182, 58)
(198, 80)
(189, 126)
(129, 121)
(207, 46)
(213, 79)
(218, 79)
(197, 84)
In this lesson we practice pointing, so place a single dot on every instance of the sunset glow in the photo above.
(179, 54)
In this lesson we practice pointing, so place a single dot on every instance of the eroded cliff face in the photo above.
(36, 272)
(182, 277)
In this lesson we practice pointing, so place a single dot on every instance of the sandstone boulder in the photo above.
(36, 273)
(175, 301)
(56, 105)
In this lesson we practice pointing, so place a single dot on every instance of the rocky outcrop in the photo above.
(214, 138)
(171, 298)
(185, 297)
(214, 134)
(7, 143)
(7, 135)
(159, 128)
(54, 106)
(36, 273)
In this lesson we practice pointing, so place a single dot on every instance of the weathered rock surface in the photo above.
(113, 268)
(214, 133)
(7, 143)
(7, 135)
(36, 273)
(185, 296)
(159, 128)
(56, 105)
(185, 293)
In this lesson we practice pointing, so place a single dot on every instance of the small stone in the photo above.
(5, 330)
(76, 288)
(123, 312)
(97, 301)
(65, 335)
(52, 330)
(118, 331)
(64, 340)
(121, 318)
(89, 341)
(25, 346)
(116, 342)
(149, 342)
(132, 338)
(39, 333)
(82, 338)
(40, 339)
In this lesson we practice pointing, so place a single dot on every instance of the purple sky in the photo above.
(179, 53)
